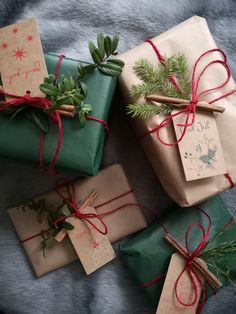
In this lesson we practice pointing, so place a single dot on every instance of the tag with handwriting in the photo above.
(168, 302)
(22, 64)
(200, 149)
(93, 248)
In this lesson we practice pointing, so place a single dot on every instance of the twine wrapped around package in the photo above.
(191, 38)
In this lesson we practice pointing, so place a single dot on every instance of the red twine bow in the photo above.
(44, 103)
(189, 267)
(190, 110)
(40, 103)
(70, 199)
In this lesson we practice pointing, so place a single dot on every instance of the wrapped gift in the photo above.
(114, 194)
(148, 254)
(190, 39)
(81, 148)
(22, 72)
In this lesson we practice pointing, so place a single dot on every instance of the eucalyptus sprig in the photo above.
(101, 55)
(156, 80)
(42, 208)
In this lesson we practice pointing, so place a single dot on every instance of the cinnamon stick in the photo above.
(66, 110)
(183, 103)
(197, 263)
(87, 202)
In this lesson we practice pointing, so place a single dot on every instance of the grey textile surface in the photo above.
(65, 27)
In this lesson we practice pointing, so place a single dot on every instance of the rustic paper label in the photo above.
(200, 149)
(168, 303)
(93, 248)
(22, 64)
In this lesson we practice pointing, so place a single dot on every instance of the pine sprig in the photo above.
(157, 81)
(219, 251)
(41, 207)
(147, 110)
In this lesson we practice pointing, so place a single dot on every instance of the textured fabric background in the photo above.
(65, 27)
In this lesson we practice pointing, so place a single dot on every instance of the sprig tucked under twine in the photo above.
(67, 95)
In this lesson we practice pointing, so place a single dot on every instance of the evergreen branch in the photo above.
(219, 251)
(143, 89)
(146, 71)
(147, 110)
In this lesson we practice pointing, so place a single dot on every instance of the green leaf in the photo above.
(94, 53)
(84, 88)
(64, 99)
(86, 108)
(72, 82)
(82, 119)
(117, 61)
(66, 225)
(39, 118)
(48, 89)
(67, 84)
(111, 66)
(108, 45)
(96, 56)
(100, 42)
(109, 71)
(115, 41)
(18, 111)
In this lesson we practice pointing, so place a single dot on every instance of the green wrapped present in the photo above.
(81, 148)
(148, 254)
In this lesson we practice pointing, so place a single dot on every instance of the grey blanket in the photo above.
(65, 27)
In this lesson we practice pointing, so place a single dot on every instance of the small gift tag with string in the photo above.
(182, 288)
(89, 239)
(200, 149)
(22, 63)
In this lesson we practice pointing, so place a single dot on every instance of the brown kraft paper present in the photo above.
(110, 183)
(191, 38)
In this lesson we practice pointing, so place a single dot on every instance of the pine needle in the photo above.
(147, 110)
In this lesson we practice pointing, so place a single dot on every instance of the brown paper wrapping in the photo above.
(190, 38)
(109, 183)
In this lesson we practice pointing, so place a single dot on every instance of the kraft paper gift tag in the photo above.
(200, 149)
(22, 64)
(109, 183)
(190, 38)
(168, 302)
(93, 248)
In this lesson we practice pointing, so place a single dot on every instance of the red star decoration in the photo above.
(19, 54)
(4, 45)
(95, 244)
(29, 38)
(15, 30)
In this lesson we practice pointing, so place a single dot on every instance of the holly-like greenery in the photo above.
(156, 80)
(68, 91)
(101, 55)
(42, 208)
(73, 91)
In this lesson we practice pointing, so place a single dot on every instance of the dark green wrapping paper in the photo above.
(81, 148)
(148, 254)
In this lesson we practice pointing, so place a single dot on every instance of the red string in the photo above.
(58, 66)
(191, 109)
(189, 268)
(161, 59)
(103, 122)
(44, 103)
(70, 199)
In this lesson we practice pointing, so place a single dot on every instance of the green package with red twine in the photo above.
(148, 254)
(81, 148)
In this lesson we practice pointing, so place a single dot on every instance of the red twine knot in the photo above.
(190, 110)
